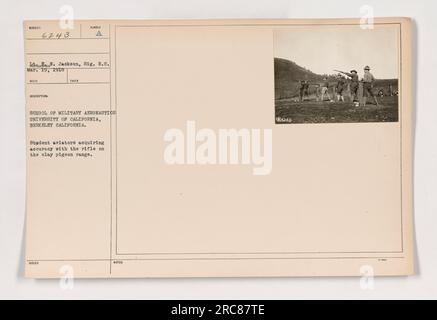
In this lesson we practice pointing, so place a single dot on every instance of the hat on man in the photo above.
(354, 71)
(367, 68)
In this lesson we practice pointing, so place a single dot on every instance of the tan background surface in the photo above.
(333, 188)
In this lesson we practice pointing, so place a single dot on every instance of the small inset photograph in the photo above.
(337, 74)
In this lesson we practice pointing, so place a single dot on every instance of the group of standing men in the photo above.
(341, 85)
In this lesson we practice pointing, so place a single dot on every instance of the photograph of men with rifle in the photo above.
(368, 81)
(308, 90)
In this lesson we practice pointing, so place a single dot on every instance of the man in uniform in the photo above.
(341, 85)
(304, 89)
(354, 85)
(324, 89)
(368, 81)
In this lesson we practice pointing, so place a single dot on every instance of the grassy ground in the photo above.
(288, 111)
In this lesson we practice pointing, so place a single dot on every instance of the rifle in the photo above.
(341, 72)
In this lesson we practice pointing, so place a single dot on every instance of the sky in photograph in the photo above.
(322, 49)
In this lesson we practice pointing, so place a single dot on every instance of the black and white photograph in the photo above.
(337, 74)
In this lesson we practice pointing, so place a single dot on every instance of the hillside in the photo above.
(285, 69)
(287, 77)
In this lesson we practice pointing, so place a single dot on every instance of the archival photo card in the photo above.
(161, 148)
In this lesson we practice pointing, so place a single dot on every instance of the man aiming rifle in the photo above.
(355, 84)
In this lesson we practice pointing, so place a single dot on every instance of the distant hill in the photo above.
(288, 74)
(289, 70)
(287, 77)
